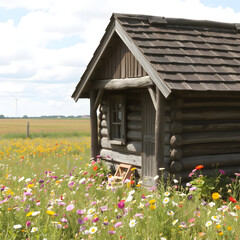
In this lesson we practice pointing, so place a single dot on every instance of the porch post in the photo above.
(159, 130)
(94, 129)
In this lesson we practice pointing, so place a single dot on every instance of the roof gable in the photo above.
(177, 54)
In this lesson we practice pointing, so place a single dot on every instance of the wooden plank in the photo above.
(134, 116)
(122, 157)
(98, 99)
(134, 135)
(159, 130)
(211, 114)
(210, 148)
(94, 128)
(134, 147)
(142, 60)
(153, 97)
(134, 125)
(120, 84)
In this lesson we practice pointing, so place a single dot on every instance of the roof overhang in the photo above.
(115, 27)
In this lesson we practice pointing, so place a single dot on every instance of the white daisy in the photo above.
(90, 211)
(156, 177)
(166, 194)
(92, 230)
(17, 226)
(215, 218)
(170, 213)
(34, 229)
(175, 221)
(166, 200)
(209, 223)
(132, 223)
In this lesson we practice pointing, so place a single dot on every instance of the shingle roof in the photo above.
(188, 54)
(178, 54)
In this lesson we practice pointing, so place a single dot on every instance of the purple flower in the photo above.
(71, 184)
(190, 197)
(80, 221)
(41, 181)
(61, 203)
(64, 220)
(80, 212)
(104, 208)
(111, 232)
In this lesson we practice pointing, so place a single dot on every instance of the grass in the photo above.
(16, 128)
(50, 189)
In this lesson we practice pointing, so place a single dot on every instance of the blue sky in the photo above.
(45, 45)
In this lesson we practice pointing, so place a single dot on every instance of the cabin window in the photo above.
(117, 119)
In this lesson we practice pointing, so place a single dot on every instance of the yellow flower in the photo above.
(229, 228)
(29, 214)
(51, 213)
(220, 233)
(30, 185)
(218, 226)
(215, 196)
(152, 207)
(132, 169)
(152, 201)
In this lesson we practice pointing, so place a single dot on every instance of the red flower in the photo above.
(94, 168)
(199, 167)
(232, 199)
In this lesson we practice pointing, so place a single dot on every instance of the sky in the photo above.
(45, 46)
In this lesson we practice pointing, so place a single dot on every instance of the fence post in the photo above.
(27, 134)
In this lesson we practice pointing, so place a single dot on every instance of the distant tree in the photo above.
(2, 116)
(25, 116)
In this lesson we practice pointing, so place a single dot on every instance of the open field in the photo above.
(44, 127)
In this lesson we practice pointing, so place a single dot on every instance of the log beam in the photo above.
(159, 130)
(94, 128)
(120, 84)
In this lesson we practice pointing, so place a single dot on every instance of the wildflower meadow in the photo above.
(51, 189)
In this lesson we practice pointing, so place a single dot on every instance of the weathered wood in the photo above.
(159, 129)
(120, 84)
(98, 99)
(177, 103)
(135, 147)
(166, 150)
(121, 157)
(211, 126)
(94, 128)
(204, 103)
(210, 148)
(103, 108)
(134, 108)
(176, 127)
(176, 166)
(134, 125)
(167, 127)
(104, 132)
(153, 97)
(212, 114)
(103, 124)
(204, 137)
(134, 135)
(219, 160)
(104, 116)
(176, 154)
(134, 116)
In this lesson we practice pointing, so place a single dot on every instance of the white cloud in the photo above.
(44, 77)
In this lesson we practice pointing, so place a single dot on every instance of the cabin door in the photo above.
(148, 128)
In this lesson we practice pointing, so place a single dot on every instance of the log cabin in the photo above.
(167, 94)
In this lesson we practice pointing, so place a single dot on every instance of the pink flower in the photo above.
(221, 171)
(192, 173)
(118, 224)
(121, 204)
(191, 220)
(64, 220)
(80, 212)
(70, 207)
(28, 223)
(61, 203)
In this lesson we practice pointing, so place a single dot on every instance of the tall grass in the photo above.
(51, 190)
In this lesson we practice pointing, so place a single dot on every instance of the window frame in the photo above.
(117, 99)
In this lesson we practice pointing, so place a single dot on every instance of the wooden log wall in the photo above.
(204, 131)
(131, 152)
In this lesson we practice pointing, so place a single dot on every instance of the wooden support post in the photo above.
(27, 133)
(94, 128)
(159, 130)
(98, 99)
